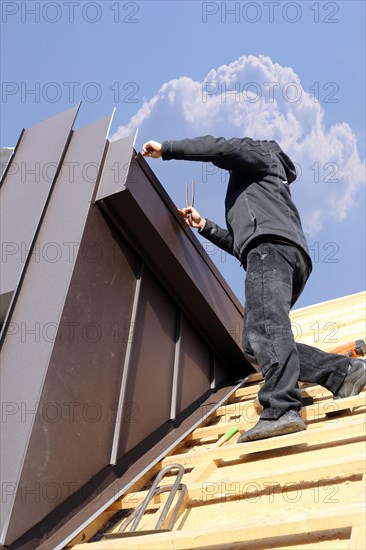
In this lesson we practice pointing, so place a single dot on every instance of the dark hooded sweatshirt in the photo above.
(258, 201)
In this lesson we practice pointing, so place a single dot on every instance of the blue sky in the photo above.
(297, 70)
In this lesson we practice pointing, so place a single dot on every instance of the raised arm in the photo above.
(241, 154)
(254, 157)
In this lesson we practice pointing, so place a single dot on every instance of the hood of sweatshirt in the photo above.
(285, 160)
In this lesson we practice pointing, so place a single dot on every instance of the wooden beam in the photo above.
(245, 408)
(276, 525)
(321, 408)
(201, 471)
(307, 391)
(358, 537)
(303, 473)
(358, 533)
(328, 433)
(91, 529)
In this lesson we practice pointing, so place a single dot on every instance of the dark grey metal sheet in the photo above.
(116, 166)
(29, 340)
(25, 190)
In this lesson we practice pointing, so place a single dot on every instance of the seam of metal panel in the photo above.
(104, 158)
(126, 367)
(173, 405)
(169, 203)
(101, 169)
(118, 494)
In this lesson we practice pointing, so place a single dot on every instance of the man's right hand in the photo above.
(192, 217)
(151, 149)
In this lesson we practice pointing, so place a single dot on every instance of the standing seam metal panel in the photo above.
(25, 191)
(41, 301)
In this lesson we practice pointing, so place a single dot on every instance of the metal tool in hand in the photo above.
(189, 205)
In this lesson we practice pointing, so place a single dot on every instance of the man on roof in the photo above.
(264, 232)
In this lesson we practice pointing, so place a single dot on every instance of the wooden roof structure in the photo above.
(298, 491)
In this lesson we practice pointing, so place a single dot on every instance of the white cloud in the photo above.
(252, 96)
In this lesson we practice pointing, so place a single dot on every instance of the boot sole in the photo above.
(284, 430)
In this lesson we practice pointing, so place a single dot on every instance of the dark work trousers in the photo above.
(276, 276)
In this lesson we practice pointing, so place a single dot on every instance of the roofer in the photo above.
(264, 232)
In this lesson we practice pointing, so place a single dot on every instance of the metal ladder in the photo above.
(155, 490)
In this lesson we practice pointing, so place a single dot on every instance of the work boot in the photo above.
(288, 423)
(355, 379)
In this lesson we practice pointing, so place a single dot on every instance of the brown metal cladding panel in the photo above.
(29, 344)
(161, 238)
(149, 385)
(194, 366)
(25, 189)
(220, 374)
